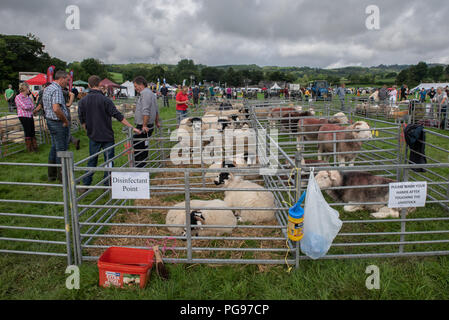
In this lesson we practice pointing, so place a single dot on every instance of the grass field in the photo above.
(34, 277)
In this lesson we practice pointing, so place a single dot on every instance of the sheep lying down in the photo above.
(202, 217)
(247, 199)
(329, 179)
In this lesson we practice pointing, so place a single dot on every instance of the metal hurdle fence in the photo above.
(93, 221)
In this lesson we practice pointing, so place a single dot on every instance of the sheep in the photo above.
(240, 161)
(332, 179)
(202, 217)
(354, 146)
(311, 126)
(247, 199)
(280, 112)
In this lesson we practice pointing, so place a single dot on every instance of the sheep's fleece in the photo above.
(249, 199)
(211, 217)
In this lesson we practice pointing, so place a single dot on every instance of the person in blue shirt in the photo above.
(422, 95)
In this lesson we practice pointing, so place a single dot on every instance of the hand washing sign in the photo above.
(407, 195)
(131, 185)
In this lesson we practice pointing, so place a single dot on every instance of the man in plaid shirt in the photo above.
(56, 114)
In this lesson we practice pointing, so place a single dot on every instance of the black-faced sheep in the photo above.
(202, 217)
(247, 199)
(331, 179)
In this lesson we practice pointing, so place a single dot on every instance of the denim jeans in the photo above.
(59, 140)
(180, 115)
(94, 148)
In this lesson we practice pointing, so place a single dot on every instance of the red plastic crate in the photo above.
(125, 267)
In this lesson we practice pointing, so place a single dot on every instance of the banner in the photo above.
(71, 80)
(50, 73)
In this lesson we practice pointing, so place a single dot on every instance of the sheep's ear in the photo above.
(334, 175)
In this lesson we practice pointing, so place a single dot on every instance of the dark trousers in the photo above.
(28, 127)
(11, 105)
(195, 99)
(140, 147)
(94, 148)
(59, 140)
(165, 98)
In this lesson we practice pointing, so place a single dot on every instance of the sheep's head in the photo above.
(196, 221)
(327, 179)
(341, 118)
(224, 177)
(312, 111)
(362, 125)
(298, 108)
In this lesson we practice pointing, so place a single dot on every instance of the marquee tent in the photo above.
(275, 87)
(429, 86)
(128, 86)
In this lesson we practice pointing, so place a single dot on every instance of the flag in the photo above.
(50, 73)
(71, 80)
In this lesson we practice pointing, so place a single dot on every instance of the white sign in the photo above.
(131, 185)
(407, 195)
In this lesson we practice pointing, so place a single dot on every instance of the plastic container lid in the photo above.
(296, 212)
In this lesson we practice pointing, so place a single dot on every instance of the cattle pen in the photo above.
(81, 226)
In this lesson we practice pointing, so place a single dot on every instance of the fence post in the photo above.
(403, 216)
(67, 206)
(68, 163)
(298, 158)
(131, 142)
(188, 222)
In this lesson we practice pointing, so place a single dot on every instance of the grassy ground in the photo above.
(34, 277)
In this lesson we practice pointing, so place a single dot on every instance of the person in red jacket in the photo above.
(182, 104)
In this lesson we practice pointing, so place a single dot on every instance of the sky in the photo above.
(319, 33)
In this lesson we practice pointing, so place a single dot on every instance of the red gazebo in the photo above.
(38, 80)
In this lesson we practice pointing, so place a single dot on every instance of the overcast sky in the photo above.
(318, 33)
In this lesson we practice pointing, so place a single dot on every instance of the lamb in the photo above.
(331, 179)
(311, 126)
(202, 217)
(343, 146)
(247, 199)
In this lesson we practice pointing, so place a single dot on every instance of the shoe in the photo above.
(34, 145)
(28, 144)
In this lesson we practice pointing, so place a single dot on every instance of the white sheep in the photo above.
(247, 199)
(202, 217)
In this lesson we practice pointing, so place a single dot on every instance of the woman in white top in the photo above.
(393, 96)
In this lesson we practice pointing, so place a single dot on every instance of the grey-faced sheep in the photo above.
(247, 199)
(331, 179)
(202, 217)
(343, 146)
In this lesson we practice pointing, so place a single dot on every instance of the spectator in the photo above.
(182, 104)
(422, 95)
(69, 97)
(164, 93)
(95, 113)
(75, 92)
(393, 96)
(9, 97)
(383, 95)
(25, 108)
(56, 114)
(39, 110)
(145, 118)
(441, 100)
(403, 93)
(432, 93)
(341, 95)
(211, 92)
(229, 93)
(196, 95)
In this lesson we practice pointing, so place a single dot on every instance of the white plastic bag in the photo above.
(321, 223)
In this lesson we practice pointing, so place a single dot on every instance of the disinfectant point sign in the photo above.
(407, 195)
(131, 185)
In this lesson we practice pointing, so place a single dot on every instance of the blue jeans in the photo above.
(59, 140)
(180, 115)
(94, 148)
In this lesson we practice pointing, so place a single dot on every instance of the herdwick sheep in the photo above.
(202, 217)
(332, 179)
(247, 199)
(343, 146)
(311, 126)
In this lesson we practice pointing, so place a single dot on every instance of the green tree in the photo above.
(94, 67)
(185, 69)
(212, 74)
(436, 73)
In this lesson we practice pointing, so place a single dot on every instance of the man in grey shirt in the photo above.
(383, 95)
(341, 92)
(145, 117)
